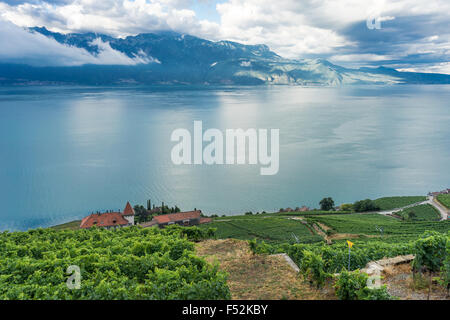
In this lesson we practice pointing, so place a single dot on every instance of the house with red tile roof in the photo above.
(110, 219)
(188, 218)
(445, 191)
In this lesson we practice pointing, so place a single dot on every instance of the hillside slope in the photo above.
(173, 58)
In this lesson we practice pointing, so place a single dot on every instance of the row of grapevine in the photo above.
(128, 263)
(318, 262)
(335, 257)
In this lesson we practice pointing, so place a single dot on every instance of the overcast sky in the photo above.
(409, 35)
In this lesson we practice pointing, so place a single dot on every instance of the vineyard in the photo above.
(269, 229)
(153, 263)
(338, 267)
(128, 263)
(304, 228)
(335, 258)
(423, 212)
(444, 199)
(317, 242)
(388, 203)
(371, 224)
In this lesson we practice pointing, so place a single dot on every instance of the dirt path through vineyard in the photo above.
(257, 276)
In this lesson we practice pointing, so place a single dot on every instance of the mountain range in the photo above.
(174, 58)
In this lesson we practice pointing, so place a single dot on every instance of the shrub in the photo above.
(191, 233)
(446, 268)
(353, 286)
(197, 234)
(374, 294)
(312, 267)
(349, 284)
(260, 247)
(430, 251)
(419, 282)
(365, 205)
(346, 207)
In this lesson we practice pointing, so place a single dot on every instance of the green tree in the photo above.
(411, 215)
(326, 204)
(141, 214)
(346, 207)
(365, 205)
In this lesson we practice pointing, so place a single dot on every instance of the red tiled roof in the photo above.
(205, 220)
(128, 211)
(107, 219)
(175, 217)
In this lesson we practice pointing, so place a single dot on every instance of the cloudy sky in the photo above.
(411, 35)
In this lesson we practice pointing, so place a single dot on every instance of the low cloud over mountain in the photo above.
(21, 46)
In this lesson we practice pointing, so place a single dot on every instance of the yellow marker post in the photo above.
(350, 245)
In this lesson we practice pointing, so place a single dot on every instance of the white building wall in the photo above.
(130, 219)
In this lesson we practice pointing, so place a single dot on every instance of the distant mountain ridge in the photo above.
(174, 58)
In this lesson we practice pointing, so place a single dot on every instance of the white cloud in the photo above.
(295, 28)
(21, 46)
(113, 17)
(359, 57)
(443, 67)
(280, 24)
(292, 28)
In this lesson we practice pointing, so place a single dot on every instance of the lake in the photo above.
(68, 151)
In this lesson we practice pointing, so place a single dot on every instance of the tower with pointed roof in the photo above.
(128, 213)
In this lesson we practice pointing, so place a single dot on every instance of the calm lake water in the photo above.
(68, 151)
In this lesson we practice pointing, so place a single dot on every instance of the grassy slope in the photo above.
(444, 199)
(424, 212)
(72, 225)
(256, 276)
(389, 203)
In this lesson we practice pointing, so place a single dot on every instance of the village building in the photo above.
(188, 218)
(445, 191)
(110, 220)
(297, 209)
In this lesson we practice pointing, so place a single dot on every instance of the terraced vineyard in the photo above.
(367, 224)
(309, 213)
(388, 203)
(423, 212)
(321, 248)
(444, 199)
(279, 227)
(270, 229)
